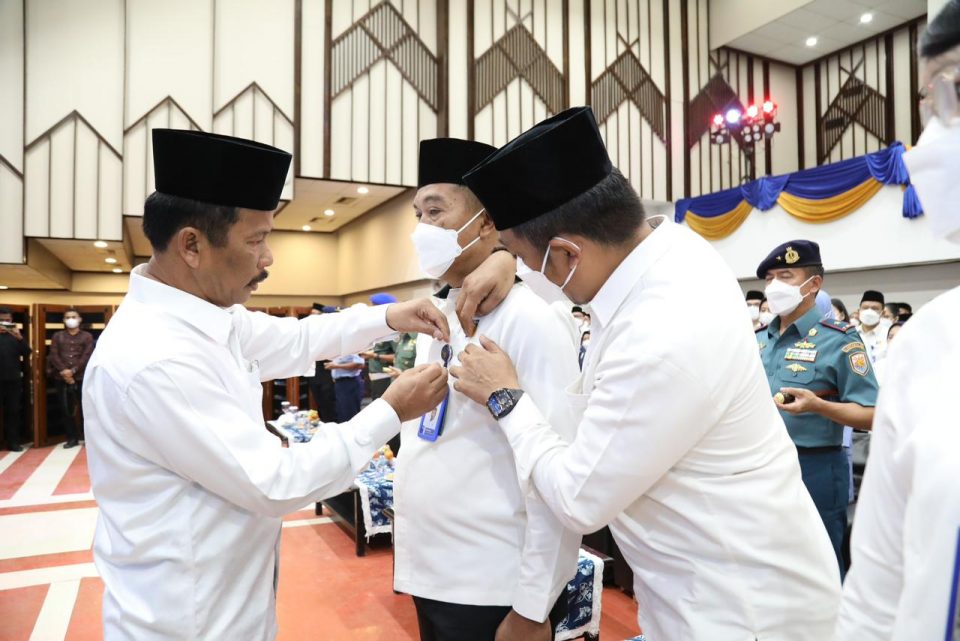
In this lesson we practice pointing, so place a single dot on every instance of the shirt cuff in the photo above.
(520, 428)
(532, 606)
(368, 431)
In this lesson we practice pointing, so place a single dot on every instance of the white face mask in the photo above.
(72, 323)
(767, 317)
(540, 284)
(934, 164)
(869, 317)
(784, 298)
(754, 312)
(437, 248)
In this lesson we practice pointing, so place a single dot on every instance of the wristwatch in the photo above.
(503, 401)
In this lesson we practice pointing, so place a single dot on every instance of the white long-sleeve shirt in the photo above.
(465, 532)
(680, 448)
(190, 485)
(904, 581)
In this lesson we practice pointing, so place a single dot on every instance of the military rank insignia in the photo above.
(812, 332)
(858, 363)
(804, 345)
(796, 368)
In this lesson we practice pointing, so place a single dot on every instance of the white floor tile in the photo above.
(39, 533)
(48, 474)
(54, 617)
(44, 576)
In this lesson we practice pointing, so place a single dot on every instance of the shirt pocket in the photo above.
(576, 399)
(795, 373)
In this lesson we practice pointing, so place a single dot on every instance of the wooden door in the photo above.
(21, 316)
(47, 321)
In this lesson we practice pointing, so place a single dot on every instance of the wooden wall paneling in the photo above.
(915, 124)
(12, 79)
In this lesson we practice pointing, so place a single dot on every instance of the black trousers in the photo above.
(69, 398)
(11, 393)
(348, 397)
(441, 621)
(321, 386)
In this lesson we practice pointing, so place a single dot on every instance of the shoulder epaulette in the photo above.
(838, 326)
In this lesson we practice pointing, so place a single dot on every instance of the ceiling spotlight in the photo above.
(110, 260)
(306, 228)
(752, 111)
(866, 18)
(328, 212)
(718, 119)
(733, 116)
(812, 41)
(769, 128)
(100, 244)
(748, 137)
(117, 270)
(363, 190)
(768, 107)
(4, 287)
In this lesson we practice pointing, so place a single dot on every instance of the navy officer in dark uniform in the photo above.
(820, 376)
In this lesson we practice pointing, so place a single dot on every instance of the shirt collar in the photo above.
(623, 279)
(216, 322)
(803, 324)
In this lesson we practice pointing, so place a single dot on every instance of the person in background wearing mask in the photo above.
(682, 453)
(820, 376)
(13, 349)
(891, 313)
(483, 559)
(840, 311)
(70, 351)
(754, 301)
(766, 316)
(873, 328)
(903, 583)
(904, 309)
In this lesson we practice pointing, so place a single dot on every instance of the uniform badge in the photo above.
(792, 256)
(796, 368)
(853, 346)
(761, 346)
(805, 355)
(858, 363)
(804, 345)
(812, 332)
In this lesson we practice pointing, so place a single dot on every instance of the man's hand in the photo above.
(66, 373)
(805, 401)
(418, 317)
(330, 367)
(516, 627)
(483, 370)
(417, 391)
(484, 289)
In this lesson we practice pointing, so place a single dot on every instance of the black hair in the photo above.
(893, 309)
(165, 215)
(5, 310)
(942, 33)
(72, 309)
(813, 270)
(836, 302)
(608, 213)
(905, 306)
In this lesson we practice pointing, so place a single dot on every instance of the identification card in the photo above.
(431, 424)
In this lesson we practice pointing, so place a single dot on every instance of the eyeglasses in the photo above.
(941, 97)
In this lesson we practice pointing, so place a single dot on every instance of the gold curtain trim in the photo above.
(829, 209)
(719, 226)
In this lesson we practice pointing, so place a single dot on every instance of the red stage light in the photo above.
(768, 107)
(752, 111)
(718, 120)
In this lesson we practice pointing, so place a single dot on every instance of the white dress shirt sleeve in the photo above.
(546, 358)
(286, 347)
(178, 415)
(644, 414)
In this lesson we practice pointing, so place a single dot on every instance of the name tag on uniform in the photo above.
(804, 355)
